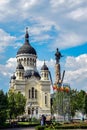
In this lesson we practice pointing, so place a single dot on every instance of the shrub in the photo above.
(40, 127)
(3, 117)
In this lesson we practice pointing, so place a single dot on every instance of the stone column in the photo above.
(57, 73)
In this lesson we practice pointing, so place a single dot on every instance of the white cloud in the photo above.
(68, 17)
(66, 3)
(76, 72)
(57, 3)
(50, 63)
(5, 40)
(39, 31)
(76, 63)
(79, 14)
(27, 4)
(68, 40)
(8, 68)
(69, 33)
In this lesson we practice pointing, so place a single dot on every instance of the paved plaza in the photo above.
(21, 128)
(32, 129)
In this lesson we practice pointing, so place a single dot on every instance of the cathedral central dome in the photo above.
(26, 48)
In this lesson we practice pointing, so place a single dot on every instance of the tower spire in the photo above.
(44, 61)
(26, 36)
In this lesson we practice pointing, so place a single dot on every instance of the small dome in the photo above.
(44, 67)
(13, 77)
(29, 73)
(20, 66)
(26, 48)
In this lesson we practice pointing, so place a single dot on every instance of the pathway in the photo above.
(32, 128)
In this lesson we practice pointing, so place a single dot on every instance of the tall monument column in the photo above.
(57, 73)
(57, 66)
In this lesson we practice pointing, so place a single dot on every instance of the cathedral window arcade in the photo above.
(27, 61)
(32, 93)
(32, 111)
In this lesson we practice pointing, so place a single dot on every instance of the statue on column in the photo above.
(57, 56)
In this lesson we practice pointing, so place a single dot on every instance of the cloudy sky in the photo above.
(52, 24)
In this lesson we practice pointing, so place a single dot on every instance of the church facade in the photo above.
(33, 85)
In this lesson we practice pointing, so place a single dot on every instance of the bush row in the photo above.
(63, 126)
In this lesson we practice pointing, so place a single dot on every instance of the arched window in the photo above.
(44, 74)
(30, 61)
(20, 74)
(29, 93)
(32, 92)
(36, 110)
(24, 60)
(45, 99)
(35, 93)
(27, 61)
(32, 110)
(34, 62)
(29, 111)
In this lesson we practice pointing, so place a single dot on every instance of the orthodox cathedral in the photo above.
(33, 85)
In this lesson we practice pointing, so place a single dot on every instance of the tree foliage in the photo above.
(3, 107)
(85, 104)
(16, 104)
(77, 102)
(73, 102)
(61, 102)
(81, 101)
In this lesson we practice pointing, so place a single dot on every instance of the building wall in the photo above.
(43, 93)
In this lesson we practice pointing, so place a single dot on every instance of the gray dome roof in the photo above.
(44, 67)
(26, 48)
(29, 73)
(20, 66)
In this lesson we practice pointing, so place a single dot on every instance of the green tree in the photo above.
(73, 102)
(61, 102)
(3, 107)
(65, 103)
(16, 104)
(85, 104)
(77, 102)
(81, 102)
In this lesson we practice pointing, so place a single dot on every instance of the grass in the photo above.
(19, 124)
(23, 123)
